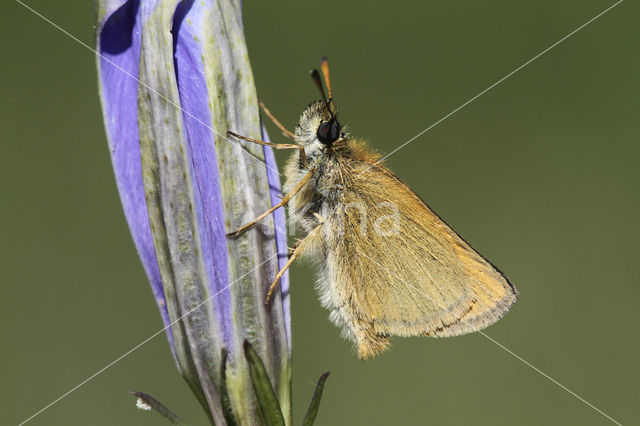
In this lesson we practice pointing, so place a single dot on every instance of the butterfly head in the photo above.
(319, 122)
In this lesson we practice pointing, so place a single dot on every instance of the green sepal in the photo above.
(227, 410)
(266, 396)
(159, 407)
(314, 405)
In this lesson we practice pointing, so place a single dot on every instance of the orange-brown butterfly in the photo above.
(388, 264)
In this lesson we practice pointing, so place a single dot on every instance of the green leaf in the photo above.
(147, 402)
(227, 410)
(314, 406)
(267, 399)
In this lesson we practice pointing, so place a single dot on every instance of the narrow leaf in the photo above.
(266, 396)
(314, 406)
(147, 402)
(227, 410)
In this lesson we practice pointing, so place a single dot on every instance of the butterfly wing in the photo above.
(401, 270)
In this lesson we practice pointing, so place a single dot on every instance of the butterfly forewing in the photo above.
(401, 270)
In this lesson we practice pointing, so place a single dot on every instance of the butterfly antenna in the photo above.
(315, 76)
(324, 63)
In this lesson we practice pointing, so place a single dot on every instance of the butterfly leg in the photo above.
(303, 156)
(259, 142)
(281, 272)
(297, 251)
(301, 240)
(283, 202)
(285, 132)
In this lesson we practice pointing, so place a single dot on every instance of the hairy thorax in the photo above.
(315, 201)
(335, 168)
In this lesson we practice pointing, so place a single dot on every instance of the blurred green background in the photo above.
(540, 174)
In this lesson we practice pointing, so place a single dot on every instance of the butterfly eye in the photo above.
(328, 132)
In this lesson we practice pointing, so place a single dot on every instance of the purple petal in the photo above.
(192, 31)
(208, 204)
(119, 46)
(280, 220)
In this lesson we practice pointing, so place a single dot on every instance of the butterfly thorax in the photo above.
(327, 192)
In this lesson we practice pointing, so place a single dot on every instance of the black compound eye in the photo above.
(329, 132)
